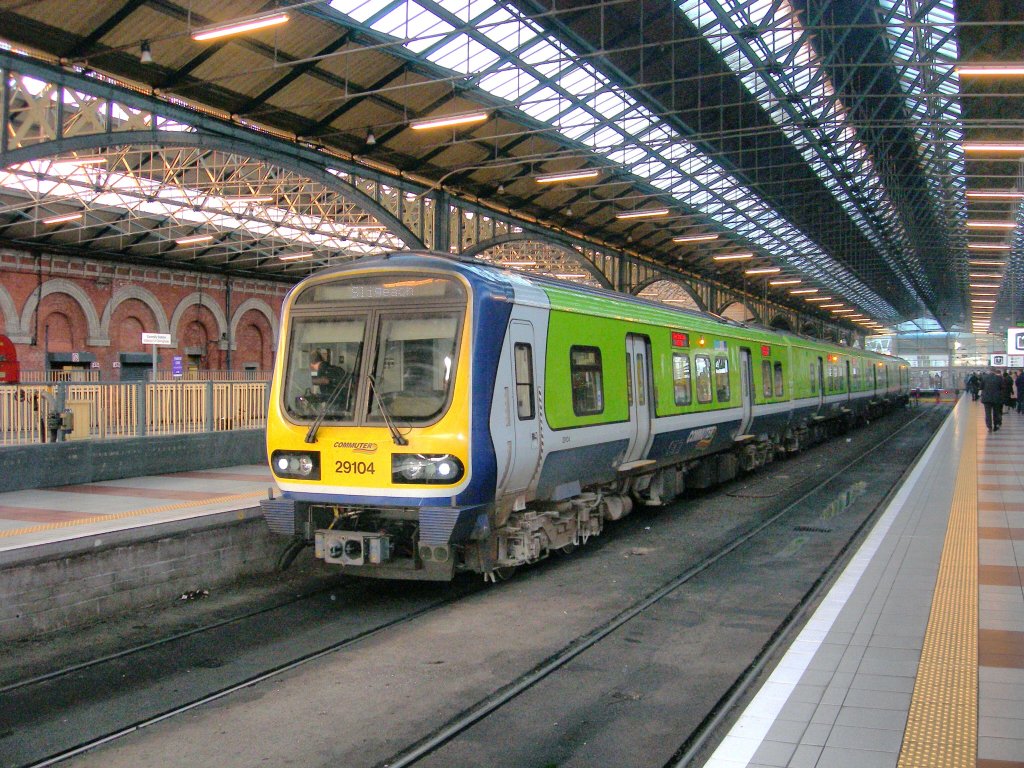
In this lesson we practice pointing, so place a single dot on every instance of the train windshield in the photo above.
(374, 349)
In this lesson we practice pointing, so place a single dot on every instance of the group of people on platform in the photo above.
(997, 390)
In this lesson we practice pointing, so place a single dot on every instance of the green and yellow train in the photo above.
(431, 415)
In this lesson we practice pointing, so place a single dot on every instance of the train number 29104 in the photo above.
(354, 467)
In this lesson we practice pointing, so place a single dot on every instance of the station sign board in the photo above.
(158, 339)
(1015, 341)
(1000, 360)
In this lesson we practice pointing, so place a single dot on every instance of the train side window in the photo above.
(523, 354)
(702, 371)
(780, 383)
(814, 379)
(722, 379)
(681, 378)
(587, 380)
(766, 377)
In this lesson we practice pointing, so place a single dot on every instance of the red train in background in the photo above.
(9, 369)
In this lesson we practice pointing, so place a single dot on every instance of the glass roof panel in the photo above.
(548, 58)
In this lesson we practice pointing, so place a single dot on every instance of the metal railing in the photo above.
(95, 374)
(31, 413)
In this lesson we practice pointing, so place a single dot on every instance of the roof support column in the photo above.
(442, 227)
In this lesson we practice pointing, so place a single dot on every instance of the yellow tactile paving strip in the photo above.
(127, 515)
(942, 727)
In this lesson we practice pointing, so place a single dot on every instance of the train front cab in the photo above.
(375, 460)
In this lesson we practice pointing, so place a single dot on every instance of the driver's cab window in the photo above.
(323, 354)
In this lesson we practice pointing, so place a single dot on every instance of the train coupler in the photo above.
(353, 547)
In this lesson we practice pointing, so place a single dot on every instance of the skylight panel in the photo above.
(409, 21)
(543, 104)
(508, 83)
(606, 138)
(608, 104)
(507, 33)
(545, 58)
(579, 82)
(360, 10)
(468, 11)
(463, 54)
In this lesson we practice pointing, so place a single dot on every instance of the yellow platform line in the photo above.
(126, 515)
(942, 727)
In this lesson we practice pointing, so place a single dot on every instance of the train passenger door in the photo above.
(525, 428)
(821, 382)
(638, 385)
(746, 389)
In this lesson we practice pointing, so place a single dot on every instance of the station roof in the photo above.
(845, 142)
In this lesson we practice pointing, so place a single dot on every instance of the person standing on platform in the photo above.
(973, 385)
(1020, 391)
(992, 399)
(1008, 390)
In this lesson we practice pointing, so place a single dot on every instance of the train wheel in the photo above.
(568, 549)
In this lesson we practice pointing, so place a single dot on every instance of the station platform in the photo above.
(62, 519)
(915, 657)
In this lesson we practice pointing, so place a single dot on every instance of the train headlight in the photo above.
(304, 465)
(443, 469)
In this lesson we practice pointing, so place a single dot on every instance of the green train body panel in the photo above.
(595, 320)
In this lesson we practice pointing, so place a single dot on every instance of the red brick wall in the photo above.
(25, 277)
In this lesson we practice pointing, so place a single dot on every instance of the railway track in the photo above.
(349, 634)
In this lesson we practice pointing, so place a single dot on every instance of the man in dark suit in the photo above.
(992, 399)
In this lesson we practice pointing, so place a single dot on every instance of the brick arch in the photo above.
(95, 336)
(727, 311)
(123, 294)
(257, 305)
(673, 283)
(197, 299)
(13, 328)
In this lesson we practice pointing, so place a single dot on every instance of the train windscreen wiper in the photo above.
(344, 381)
(396, 436)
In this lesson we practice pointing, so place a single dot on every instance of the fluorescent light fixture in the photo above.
(694, 238)
(977, 224)
(993, 146)
(295, 256)
(448, 121)
(988, 247)
(570, 275)
(984, 285)
(194, 239)
(250, 199)
(365, 227)
(983, 301)
(995, 194)
(740, 256)
(580, 175)
(248, 24)
(518, 263)
(62, 218)
(990, 70)
(763, 271)
(841, 311)
(983, 293)
(87, 160)
(985, 263)
(829, 306)
(645, 213)
(984, 275)
(675, 301)
(818, 298)
(801, 291)
(786, 281)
